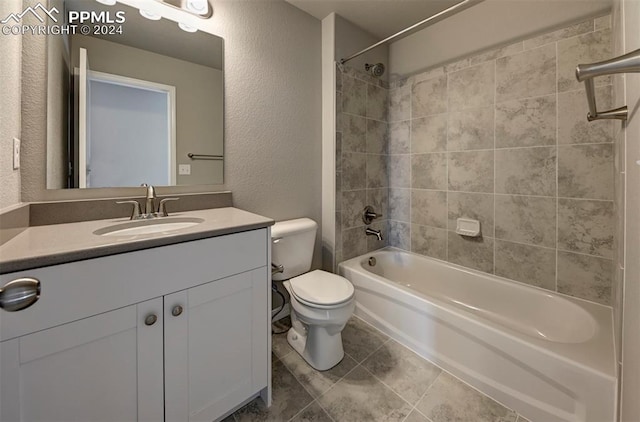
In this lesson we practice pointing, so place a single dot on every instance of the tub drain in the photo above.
(372, 262)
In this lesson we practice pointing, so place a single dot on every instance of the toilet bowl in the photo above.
(321, 305)
(321, 302)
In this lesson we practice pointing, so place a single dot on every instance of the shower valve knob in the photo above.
(369, 214)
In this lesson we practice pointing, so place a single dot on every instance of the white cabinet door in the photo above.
(216, 346)
(104, 368)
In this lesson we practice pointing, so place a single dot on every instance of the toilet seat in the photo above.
(321, 289)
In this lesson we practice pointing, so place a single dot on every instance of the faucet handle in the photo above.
(135, 213)
(162, 208)
(368, 214)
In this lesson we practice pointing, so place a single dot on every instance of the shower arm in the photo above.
(442, 14)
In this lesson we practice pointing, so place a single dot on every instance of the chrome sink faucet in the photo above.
(150, 205)
(149, 210)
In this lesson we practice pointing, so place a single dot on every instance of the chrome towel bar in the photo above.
(628, 63)
(204, 156)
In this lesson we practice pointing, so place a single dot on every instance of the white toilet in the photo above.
(321, 302)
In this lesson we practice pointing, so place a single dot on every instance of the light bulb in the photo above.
(187, 28)
(107, 2)
(198, 6)
(150, 15)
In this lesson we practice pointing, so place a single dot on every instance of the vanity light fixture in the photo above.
(199, 8)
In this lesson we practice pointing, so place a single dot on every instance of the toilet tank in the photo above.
(292, 247)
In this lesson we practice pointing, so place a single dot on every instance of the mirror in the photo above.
(140, 105)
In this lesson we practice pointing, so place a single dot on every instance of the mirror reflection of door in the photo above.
(130, 125)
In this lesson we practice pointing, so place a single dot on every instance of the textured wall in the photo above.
(500, 137)
(10, 69)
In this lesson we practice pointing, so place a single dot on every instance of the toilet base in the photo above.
(317, 346)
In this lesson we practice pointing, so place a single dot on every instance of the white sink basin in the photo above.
(142, 227)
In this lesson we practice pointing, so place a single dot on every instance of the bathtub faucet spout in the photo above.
(372, 232)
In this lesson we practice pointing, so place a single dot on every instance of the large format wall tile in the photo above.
(379, 200)
(585, 171)
(586, 226)
(354, 170)
(400, 204)
(429, 241)
(400, 137)
(400, 103)
(354, 243)
(429, 171)
(377, 137)
(377, 99)
(472, 252)
(573, 126)
(400, 171)
(354, 96)
(400, 235)
(429, 134)
(353, 203)
(526, 219)
(477, 206)
(471, 171)
(587, 48)
(472, 87)
(429, 208)
(354, 137)
(529, 264)
(377, 171)
(587, 277)
(471, 129)
(528, 74)
(429, 97)
(526, 171)
(525, 123)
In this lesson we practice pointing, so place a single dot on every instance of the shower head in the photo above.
(376, 70)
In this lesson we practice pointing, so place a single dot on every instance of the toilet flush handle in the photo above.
(275, 268)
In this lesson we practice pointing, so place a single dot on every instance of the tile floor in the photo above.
(378, 380)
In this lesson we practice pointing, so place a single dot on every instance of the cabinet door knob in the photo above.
(19, 294)
(150, 319)
(177, 310)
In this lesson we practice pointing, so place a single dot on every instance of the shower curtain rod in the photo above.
(447, 11)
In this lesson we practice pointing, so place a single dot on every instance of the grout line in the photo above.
(557, 169)
(495, 167)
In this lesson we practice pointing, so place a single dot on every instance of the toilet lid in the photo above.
(321, 288)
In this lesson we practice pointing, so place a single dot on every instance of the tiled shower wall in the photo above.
(362, 158)
(501, 137)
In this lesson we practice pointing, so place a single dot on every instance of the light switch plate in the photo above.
(16, 153)
(184, 169)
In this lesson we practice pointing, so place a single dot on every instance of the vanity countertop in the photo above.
(61, 243)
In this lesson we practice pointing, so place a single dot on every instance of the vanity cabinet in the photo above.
(175, 333)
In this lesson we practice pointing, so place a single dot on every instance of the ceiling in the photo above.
(378, 17)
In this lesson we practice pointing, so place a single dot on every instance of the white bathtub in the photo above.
(547, 356)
